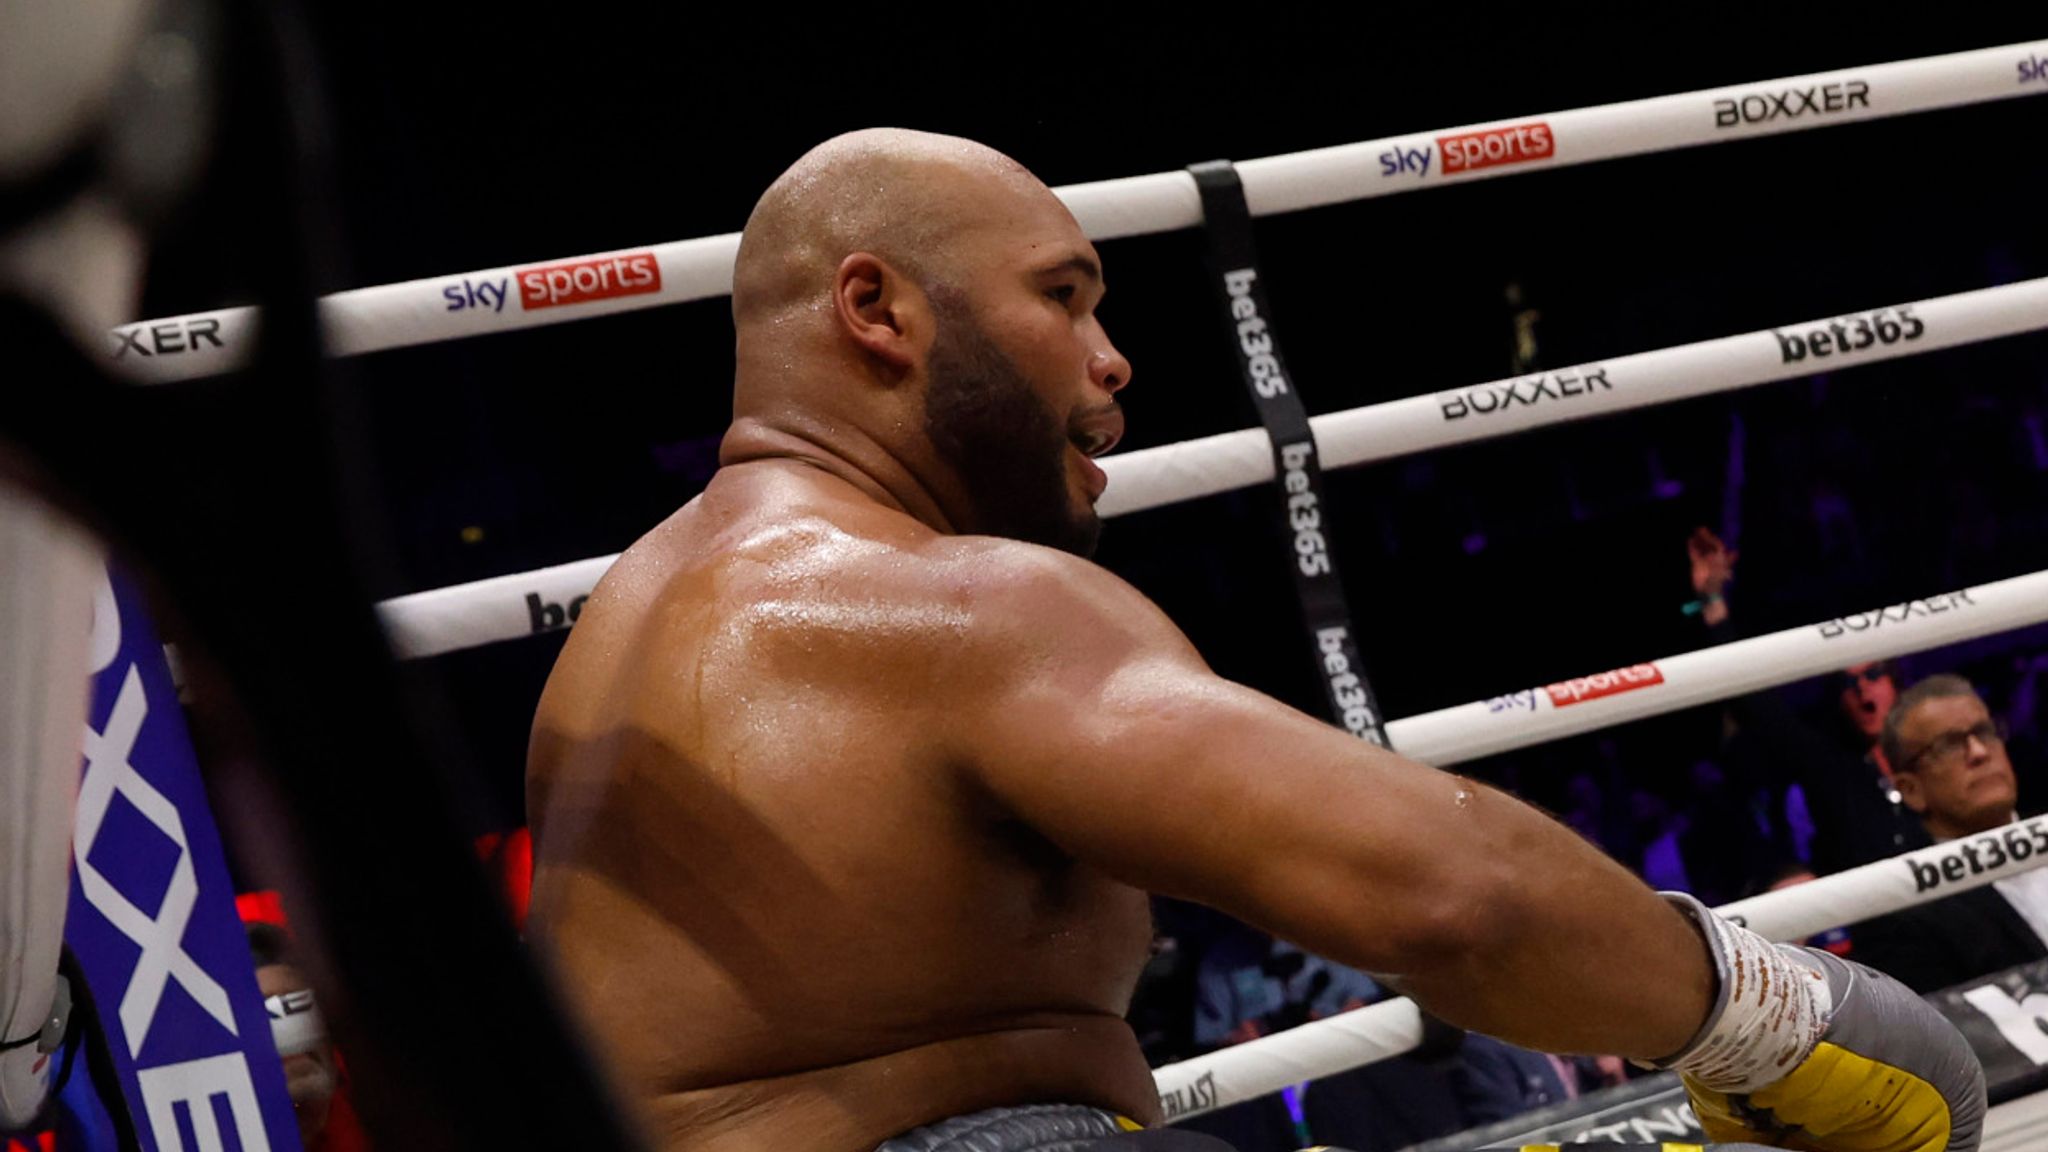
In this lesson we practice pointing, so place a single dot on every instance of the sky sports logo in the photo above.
(555, 285)
(1580, 689)
(582, 281)
(1515, 144)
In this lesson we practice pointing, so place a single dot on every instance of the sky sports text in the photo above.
(555, 285)
(1471, 151)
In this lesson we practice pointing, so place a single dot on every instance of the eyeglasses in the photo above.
(1950, 748)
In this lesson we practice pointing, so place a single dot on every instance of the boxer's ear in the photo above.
(881, 310)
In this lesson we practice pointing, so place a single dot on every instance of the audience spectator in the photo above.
(1953, 771)
(1846, 781)
(1836, 940)
(312, 1070)
(1495, 1080)
(1248, 985)
(1731, 839)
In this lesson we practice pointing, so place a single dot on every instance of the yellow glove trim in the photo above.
(1837, 1101)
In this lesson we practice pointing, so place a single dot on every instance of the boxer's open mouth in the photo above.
(1097, 432)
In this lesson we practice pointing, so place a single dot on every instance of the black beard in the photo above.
(1008, 448)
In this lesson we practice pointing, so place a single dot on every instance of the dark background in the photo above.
(477, 136)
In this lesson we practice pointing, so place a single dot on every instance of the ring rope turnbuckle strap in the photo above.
(1234, 271)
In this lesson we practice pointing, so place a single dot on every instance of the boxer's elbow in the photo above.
(1459, 915)
(1424, 920)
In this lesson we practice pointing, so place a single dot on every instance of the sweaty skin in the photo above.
(845, 804)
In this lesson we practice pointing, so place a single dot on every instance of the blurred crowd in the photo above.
(1757, 793)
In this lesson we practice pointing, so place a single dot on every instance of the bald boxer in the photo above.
(849, 784)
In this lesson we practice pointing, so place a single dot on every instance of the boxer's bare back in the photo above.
(850, 781)
(794, 911)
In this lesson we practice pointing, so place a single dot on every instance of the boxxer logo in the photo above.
(1526, 392)
(161, 935)
(1896, 614)
(185, 1077)
(1791, 103)
(168, 338)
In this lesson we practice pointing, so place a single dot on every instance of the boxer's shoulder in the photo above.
(1056, 596)
(864, 595)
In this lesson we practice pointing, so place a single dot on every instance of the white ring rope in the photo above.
(1589, 703)
(485, 611)
(460, 305)
(423, 624)
(1394, 1027)
(1171, 473)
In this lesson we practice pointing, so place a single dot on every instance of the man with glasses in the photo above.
(1844, 776)
(1949, 760)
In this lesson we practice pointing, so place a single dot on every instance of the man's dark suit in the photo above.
(1948, 942)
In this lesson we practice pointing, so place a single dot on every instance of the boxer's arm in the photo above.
(1088, 715)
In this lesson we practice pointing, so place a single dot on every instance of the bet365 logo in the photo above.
(1848, 335)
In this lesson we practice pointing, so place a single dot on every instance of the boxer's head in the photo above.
(1948, 758)
(928, 297)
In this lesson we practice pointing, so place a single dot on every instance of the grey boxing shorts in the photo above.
(1048, 1128)
(1073, 1128)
